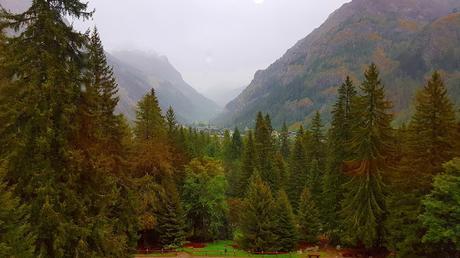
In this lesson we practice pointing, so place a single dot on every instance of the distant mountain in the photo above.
(137, 72)
(407, 39)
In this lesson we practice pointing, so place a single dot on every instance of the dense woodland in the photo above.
(78, 180)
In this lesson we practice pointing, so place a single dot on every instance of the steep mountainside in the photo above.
(137, 72)
(407, 39)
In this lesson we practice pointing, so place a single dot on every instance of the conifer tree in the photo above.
(171, 122)
(298, 169)
(248, 165)
(150, 123)
(339, 137)
(281, 171)
(101, 78)
(314, 181)
(364, 204)
(428, 142)
(442, 212)
(308, 218)
(258, 218)
(268, 122)
(44, 64)
(237, 145)
(16, 238)
(316, 146)
(171, 217)
(151, 162)
(233, 172)
(227, 147)
(106, 147)
(286, 230)
(432, 130)
(264, 150)
(284, 148)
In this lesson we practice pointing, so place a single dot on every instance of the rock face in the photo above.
(407, 39)
(137, 72)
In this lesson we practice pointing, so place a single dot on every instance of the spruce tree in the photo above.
(44, 64)
(105, 150)
(314, 181)
(171, 122)
(281, 171)
(171, 217)
(264, 150)
(286, 230)
(16, 235)
(150, 123)
(233, 172)
(316, 146)
(237, 145)
(298, 169)
(432, 131)
(364, 206)
(268, 122)
(227, 147)
(428, 142)
(248, 163)
(442, 212)
(101, 79)
(258, 218)
(308, 218)
(151, 162)
(333, 180)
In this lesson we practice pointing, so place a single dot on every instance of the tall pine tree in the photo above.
(265, 150)
(171, 216)
(364, 206)
(258, 218)
(286, 230)
(298, 169)
(339, 136)
(248, 163)
(428, 142)
(44, 66)
(308, 218)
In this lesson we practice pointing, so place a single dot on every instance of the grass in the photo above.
(218, 249)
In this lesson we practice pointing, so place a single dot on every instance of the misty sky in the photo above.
(215, 44)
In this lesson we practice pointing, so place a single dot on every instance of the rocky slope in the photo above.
(407, 39)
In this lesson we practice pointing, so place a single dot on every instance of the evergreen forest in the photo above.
(80, 180)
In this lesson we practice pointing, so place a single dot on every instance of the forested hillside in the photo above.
(407, 39)
(77, 180)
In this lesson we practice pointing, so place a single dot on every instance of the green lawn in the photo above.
(218, 249)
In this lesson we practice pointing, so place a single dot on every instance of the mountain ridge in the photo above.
(306, 77)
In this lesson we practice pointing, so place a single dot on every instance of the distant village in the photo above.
(219, 132)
